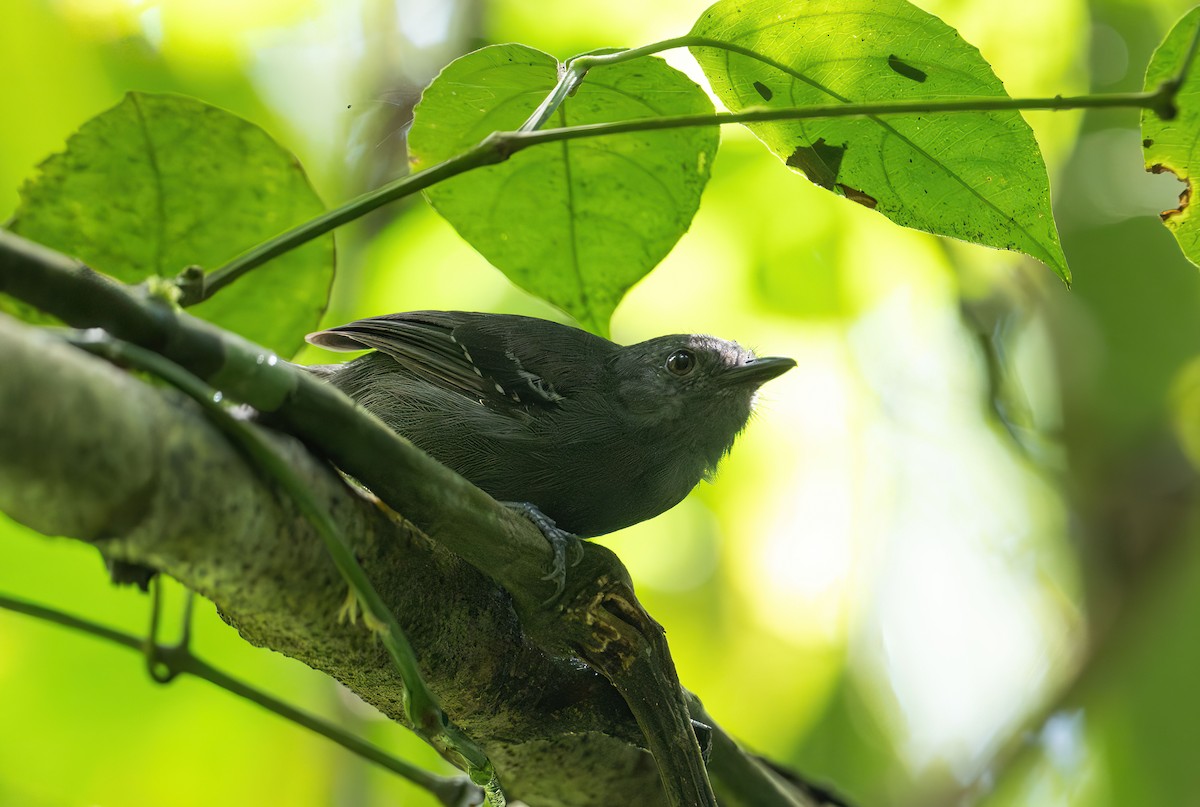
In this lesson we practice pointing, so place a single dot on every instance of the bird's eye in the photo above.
(681, 362)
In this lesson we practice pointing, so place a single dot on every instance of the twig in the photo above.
(499, 146)
(452, 792)
(444, 505)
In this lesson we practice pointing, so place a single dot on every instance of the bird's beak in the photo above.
(758, 371)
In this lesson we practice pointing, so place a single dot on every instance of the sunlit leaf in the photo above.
(976, 176)
(576, 223)
(161, 182)
(1172, 145)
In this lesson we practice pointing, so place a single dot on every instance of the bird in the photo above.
(581, 434)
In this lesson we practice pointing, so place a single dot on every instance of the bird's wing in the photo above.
(454, 349)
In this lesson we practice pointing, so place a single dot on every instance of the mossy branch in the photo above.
(598, 619)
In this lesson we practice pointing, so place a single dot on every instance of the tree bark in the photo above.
(89, 452)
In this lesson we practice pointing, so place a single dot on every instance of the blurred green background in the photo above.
(951, 561)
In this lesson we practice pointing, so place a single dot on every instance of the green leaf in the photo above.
(976, 176)
(1171, 145)
(161, 182)
(576, 223)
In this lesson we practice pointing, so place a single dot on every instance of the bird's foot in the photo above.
(562, 543)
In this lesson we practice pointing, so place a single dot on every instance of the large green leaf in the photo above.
(576, 223)
(1174, 145)
(161, 182)
(976, 176)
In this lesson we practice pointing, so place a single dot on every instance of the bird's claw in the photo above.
(562, 543)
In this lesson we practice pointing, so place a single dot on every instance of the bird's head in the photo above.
(698, 388)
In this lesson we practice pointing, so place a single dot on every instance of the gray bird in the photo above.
(593, 435)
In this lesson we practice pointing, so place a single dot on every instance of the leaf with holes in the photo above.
(1172, 145)
(976, 176)
(161, 182)
(576, 223)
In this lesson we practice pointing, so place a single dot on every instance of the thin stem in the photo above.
(590, 60)
(189, 606)
(449, 791)
(156, 667)
(421, 707)
(576, 69)
(480, 155)
(159, 659)
(516, 141)
(69, 621)
(499, 146)
(569, 79)
(573, 73)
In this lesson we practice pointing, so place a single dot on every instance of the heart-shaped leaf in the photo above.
(578, 222)
(976, 176)
(161, 182)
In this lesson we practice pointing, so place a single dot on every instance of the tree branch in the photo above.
(148, 479)
(453, 792)
(441, 503)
